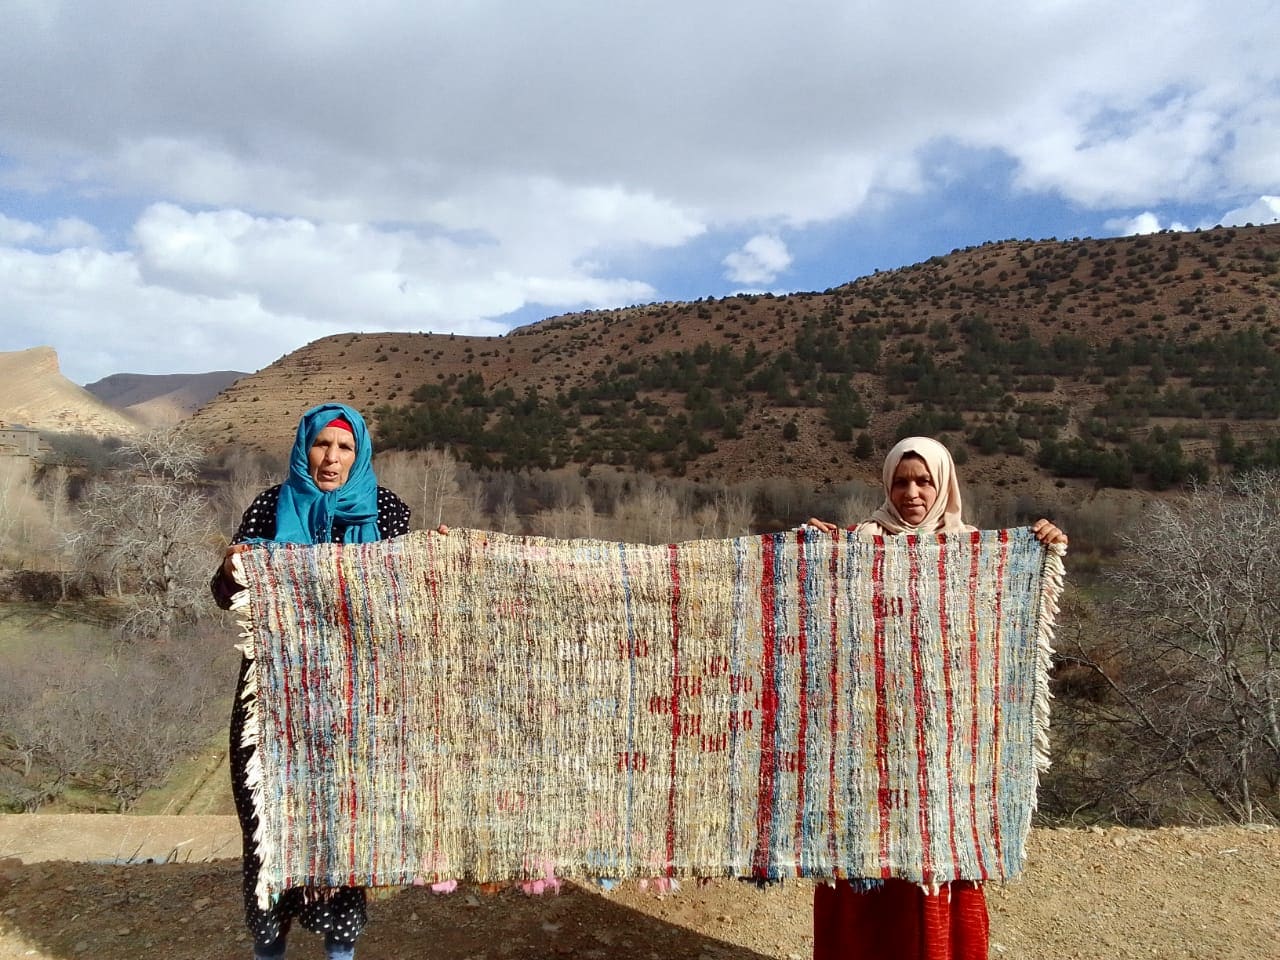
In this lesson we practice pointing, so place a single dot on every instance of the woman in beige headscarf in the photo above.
(922, 495)
(897, 920)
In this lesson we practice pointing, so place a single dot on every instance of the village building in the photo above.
(19, 441)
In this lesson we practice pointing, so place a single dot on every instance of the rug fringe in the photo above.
(252, 726)
(1051, 585)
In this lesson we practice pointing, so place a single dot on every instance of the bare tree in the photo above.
(1188, 657)
(55, 495)
(506, 519)
(988, 507)
(706, 522)
(734, 514)
(247, 476)
(861, 502)
(112, 722)
(148, 526)
(569, 520)
(428, 481)
(25, 538)
(783, 499)
(650, 514)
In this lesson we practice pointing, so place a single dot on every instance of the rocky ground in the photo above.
(1116, 894)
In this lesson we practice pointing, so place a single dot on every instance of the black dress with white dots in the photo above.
(338, 914)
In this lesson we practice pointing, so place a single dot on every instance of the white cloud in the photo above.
(1146, 222)
(61, 234)
(18, 231)
(302, 110)
(759, 261)
(94, 308)
(342, 272)
(206, 290)
(71, 232)
(1168, 153)
(441, 164)
(1263, 210)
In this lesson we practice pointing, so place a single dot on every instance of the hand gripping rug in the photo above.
(485, 707)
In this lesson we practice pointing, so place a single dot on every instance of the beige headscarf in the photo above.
(943, 516)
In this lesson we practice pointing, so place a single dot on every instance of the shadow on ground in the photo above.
(192, 912)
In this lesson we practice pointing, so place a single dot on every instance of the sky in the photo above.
(191, 187)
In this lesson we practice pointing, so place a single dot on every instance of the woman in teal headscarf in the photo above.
(330, 480)
(331, 495)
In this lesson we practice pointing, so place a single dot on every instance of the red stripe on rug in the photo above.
(372, 710)
(917, 684)
(883, 797)
(672, 553)
(433, 588)
(997, 694)
(348, 698)
(835, 713)
(288, 690)
(283, 710)
(802, 731)
(401, 714)
(944, 637)
(768, 712)
(975, 700)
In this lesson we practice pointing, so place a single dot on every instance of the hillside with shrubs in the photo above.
(1138, 362)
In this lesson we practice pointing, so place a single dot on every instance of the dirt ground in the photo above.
(1204, 893)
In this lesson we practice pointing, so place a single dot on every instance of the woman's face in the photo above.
(332, 453)
(912, 492)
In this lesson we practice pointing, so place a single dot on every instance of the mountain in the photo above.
(164, 399)
(1063, 365)
(34, 393)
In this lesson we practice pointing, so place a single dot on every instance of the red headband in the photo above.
(341, 424)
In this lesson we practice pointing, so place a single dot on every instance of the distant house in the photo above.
(19, 441)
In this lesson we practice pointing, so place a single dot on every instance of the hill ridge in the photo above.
(923, 329)
(161, 399)
(34, 393)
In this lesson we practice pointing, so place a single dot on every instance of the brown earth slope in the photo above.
(1115, 894)
(34, 393)
(1180, 286)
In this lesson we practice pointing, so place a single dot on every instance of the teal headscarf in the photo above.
(305, 513)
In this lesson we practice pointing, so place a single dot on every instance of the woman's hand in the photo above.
(821, 525)
(1047, 533)
(227, 570)
(442, 530)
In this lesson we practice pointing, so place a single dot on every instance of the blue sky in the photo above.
(198, 187)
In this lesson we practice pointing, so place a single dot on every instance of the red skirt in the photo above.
(899, 921)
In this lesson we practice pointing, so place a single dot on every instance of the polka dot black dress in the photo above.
(339, 914)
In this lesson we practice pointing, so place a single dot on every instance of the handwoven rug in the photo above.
(486, 707)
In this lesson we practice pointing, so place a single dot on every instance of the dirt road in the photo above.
(1116, 894)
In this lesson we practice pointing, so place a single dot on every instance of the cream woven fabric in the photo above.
(486, 707)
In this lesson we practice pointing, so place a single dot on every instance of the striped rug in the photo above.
(485, 707)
